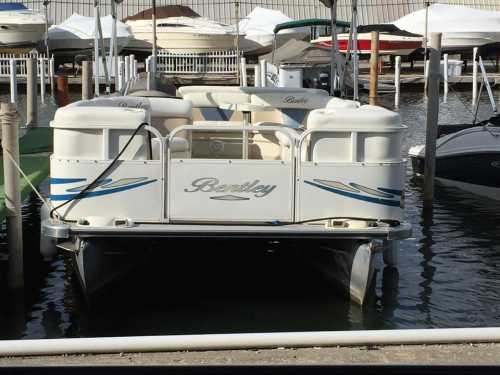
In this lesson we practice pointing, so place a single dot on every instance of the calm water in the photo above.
(449, 274)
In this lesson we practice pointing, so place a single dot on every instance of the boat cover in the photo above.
(12, 6)
(450, 18)
(84, 27)
(262, 21)
(164, 12)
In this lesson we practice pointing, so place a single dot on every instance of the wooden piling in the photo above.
(397, 80)
(372, 99)
(31, 99)
(13, 81)
(10, 144)
(86, 80)
(62, 96)
(432, 119)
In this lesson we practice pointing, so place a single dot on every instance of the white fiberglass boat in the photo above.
(76, 36)
(462, 28)
(21, 29)
(226, 162)
(467, 157)
(181, 34)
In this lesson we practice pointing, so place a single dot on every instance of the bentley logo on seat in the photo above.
(213, 185)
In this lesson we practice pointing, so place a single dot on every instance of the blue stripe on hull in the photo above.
(90, 194)
(386, 202)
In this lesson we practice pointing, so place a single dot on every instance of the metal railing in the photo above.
(214, 62)
(20, 63)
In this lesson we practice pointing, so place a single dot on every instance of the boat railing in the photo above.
(21, 65)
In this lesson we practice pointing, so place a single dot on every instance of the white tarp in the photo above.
(258, 29)
(84, 27)
(461, 26)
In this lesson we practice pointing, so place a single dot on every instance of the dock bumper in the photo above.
(61, 230)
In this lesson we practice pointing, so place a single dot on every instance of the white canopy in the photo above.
(261, 21)
(450, 18)
(84, 27)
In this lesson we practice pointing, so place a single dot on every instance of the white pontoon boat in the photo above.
(227, 162)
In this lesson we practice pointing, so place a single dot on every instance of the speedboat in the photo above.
(392, 41)
(462, 28)
(21, 29)
(181, 34)
(241, 163)
(467, 157)
(75, 36)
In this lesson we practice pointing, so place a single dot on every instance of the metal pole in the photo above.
(334, 66)
(426, 76)
(134, 68)
(31, 100)
(354, 25)
(12, 192)
(474, 75)
(96, 49)
(131, 68)
(445, 77)
(397, 83)
(42, 79)
(372, 99)
(114, 44)
(237, 13)
(426, 39)
(432, 119)
(127, 69)
(86, 80)
(13, 81)
(45, 4)
(103, 53)
(155, 47)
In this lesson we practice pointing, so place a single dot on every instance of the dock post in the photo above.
(127, 69)
(432, 119)
(13, 81)
(256, 75)
(12, 191)
(51, 75)
(397, 80)
(131, 67)
(263, 73)
(120, 73)
(372, 99)
(445, 77)
(41, 66)
(86, 80)
(134, 68)
(474, 75)
(31, 100)
(426, 76)
(62, 91)
(243, 67)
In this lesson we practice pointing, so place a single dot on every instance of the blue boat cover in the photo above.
(12, 6)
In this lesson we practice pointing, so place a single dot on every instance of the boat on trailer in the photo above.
(278, 164)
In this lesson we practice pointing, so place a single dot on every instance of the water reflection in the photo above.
(448, 276)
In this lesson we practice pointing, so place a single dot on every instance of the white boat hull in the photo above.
(20, 35)
(183, 42)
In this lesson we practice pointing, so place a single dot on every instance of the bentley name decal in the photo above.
(213, 185)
